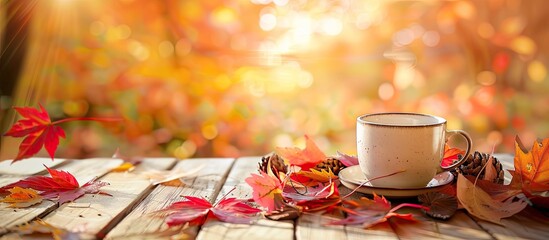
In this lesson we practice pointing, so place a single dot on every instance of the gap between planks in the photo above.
(103, 212)
(83, 171)
(263, 229)
(141, 223)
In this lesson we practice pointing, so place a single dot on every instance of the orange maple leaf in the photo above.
(322, 175)
(22, 197)
(450, 154)
(532, 168)
(305, 158)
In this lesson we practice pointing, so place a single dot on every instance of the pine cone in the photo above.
(474, 164)
(276, 162)
(330, 163)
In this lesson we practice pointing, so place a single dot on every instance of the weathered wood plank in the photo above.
(460, 226)
(102, 212)
(528, 224)
(83, 170)
(140, 223)
(263, 229)
(29, 166)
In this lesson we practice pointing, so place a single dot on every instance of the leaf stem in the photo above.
(225, 196)
(369, 180)
(87, 119)
(409, 205)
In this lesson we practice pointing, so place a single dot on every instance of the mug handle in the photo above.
(467, 151)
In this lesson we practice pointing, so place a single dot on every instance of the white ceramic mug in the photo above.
(388, 143)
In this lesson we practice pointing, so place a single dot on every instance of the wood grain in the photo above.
(460, 226)
(263, 229)
(141, 223)
(528, 224)
(102, 212)
(83, 171)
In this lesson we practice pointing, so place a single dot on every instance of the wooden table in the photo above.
(127, 215)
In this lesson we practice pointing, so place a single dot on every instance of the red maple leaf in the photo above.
(450, 155)
(347, 160)
(61, 185)
(304, 158)
(194, 210)
(311, 199)
(370, 212)
(39, 131)
(267, 191)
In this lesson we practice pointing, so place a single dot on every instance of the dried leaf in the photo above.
(346, 159)
(156, 176)
(306, 158)
(480, 204)
(124, 167)
(173, 183)
(320, 191)
(441, 206)
(27, 230)
(370, 212)
(194, 210)
(495, 190)
(22, 197)
(286, 213)
(532, 168)
(490, 173)
(267, 191)
(61, 185)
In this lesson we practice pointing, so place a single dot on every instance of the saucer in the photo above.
(352, 177)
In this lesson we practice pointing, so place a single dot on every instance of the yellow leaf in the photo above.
(319, 176)
(22, 197)
(124, 167)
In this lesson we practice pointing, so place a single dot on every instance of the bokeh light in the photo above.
(238, 77)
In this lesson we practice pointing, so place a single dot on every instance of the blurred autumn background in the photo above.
(220, 78)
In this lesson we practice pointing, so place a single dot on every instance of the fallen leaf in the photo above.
(286, 213)
(61, 185)
(172, 177)
(441, 206)
(28, 231)
(490, 173)
(124, 167)
(495, 190)
(305, 158)
(39, 131)
(22, 197)
(532, 168)
(194, 210)
(480, 204)
(370, 212)
(310, 193)
(267, 191)
(322, 176)
(450, 155)
(129, 162)
(346, 159)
